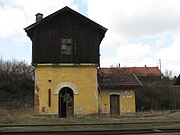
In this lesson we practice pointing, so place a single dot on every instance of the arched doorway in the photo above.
(114, 105)
(66, 102)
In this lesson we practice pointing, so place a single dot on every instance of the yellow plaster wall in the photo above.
(82, 78)
(126, 100)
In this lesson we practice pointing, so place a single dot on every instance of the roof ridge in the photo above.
(61, 10)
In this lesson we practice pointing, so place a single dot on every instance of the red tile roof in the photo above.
(138, 71)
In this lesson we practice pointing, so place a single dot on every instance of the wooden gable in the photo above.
(65, 37)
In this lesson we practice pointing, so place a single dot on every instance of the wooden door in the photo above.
(114, 105)
(69, 105)
(66, 103)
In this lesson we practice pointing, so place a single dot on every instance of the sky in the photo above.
(140, 32)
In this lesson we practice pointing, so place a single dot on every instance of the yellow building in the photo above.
(65, 54)
(117, 93)
(67, 89)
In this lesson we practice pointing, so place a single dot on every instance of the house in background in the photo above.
(139, 71)
(143, 73)
(65, 54)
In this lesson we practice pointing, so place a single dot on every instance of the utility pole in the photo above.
(160, 65)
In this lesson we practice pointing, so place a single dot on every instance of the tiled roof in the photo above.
(118, 80)
(138, 71)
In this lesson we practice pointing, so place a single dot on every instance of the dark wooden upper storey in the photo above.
(65, 37)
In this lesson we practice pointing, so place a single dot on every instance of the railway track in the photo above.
(90, 124)
(169, 127)
(97, 132)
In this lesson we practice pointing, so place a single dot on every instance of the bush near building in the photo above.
(16, 84)
(157, 94)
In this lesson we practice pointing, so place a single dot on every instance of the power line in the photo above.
(153, 60)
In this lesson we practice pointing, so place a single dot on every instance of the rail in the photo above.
(97, 132)
(92, 128)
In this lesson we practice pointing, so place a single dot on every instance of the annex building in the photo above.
(68, 80)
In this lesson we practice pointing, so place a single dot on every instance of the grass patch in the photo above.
(138, 120)
(7, 115)
(29, 119)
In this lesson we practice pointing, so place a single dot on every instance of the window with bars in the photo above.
(67, 47)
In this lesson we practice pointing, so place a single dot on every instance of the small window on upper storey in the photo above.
(67, 47)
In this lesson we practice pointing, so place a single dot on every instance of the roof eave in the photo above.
(121, 86)
(138, 80)
(70, 10)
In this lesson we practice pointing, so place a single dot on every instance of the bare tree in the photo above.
(16, 83)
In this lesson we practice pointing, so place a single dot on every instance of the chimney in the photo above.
(39, 17)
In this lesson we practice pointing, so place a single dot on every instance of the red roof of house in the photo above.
(139, 71)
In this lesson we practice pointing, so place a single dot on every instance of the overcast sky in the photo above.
(140, 32)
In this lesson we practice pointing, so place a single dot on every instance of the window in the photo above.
(67, 47)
